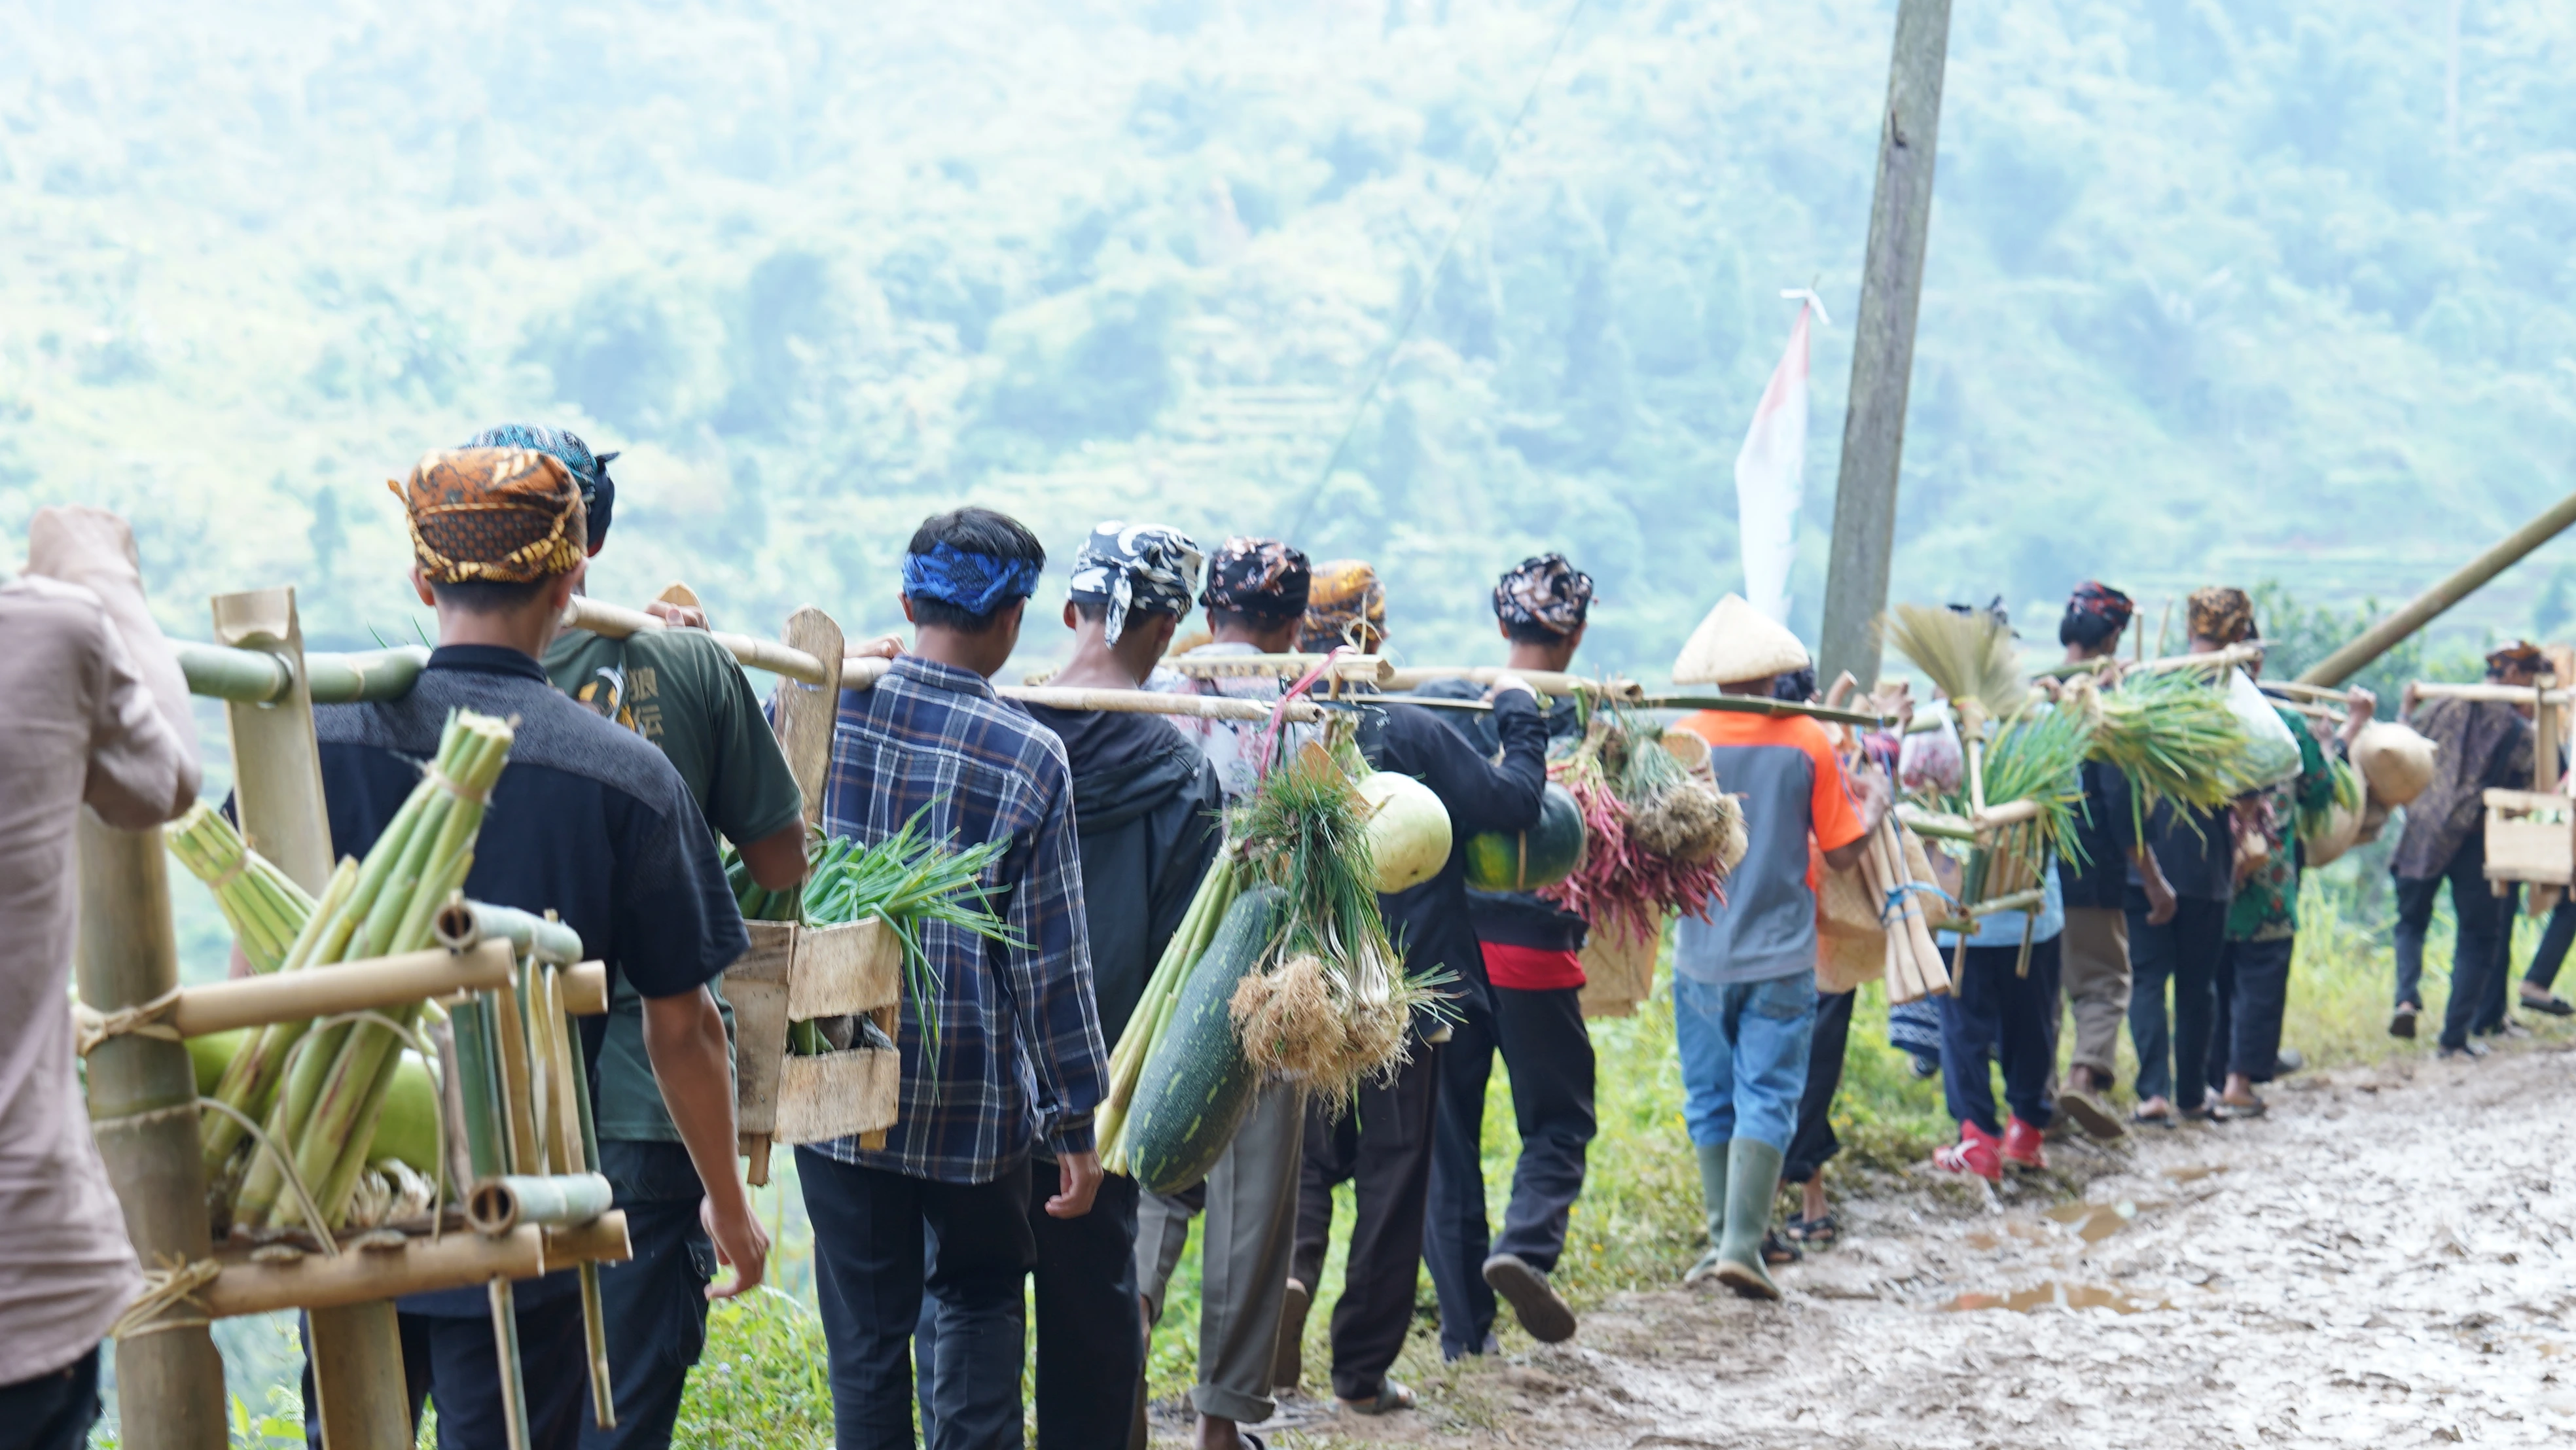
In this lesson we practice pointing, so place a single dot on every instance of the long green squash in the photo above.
(1196, 1086)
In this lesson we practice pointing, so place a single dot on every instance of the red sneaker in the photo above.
(1975, 1152)
(2022, 1145)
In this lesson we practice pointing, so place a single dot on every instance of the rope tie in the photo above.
(90, 1027)
(454, 787)
(229, 874)
(1894, 910)
(168, 1300)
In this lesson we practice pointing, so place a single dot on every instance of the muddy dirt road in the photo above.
(2388, 1259)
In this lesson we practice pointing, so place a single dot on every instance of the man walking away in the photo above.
(588, 821)
(2093, 951)
(1250, 1314)
(2195, 853)
(93, 714)
(1015, 1063)
(1744, 980)
(1383, 1144)
(1533, 1015)
(1145, 805)
(684, 692)
(2479, 745)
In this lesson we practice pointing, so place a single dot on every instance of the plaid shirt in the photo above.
(1020, 1050)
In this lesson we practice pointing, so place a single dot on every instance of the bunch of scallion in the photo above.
(911, 882)
(2035, 756)
(2173, 735)
(264, 908)
(323, 1106)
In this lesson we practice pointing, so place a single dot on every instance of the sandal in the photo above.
(1390, 1397)
(2550, 1003)
(1816, 1233)
(2224, 1111)
(2152, 1118)
(1777, 1251)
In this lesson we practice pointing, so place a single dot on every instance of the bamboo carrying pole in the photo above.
(1546, 682)
(1759, 705)
(2377, 640)
(616, 622)
(143, 1110)
(277, 787)
(1155, 702)
(2491, 693)
(329, 991)
(1900, 217)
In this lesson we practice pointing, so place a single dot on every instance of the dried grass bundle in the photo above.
(1968, 656)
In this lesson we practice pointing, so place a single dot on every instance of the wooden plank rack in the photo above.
(823, 974)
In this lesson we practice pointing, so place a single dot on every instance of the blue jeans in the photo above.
(1744, 1056)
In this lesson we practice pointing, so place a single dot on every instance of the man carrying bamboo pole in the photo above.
(93, 712)
(1004, 1059)
(1533, 1016)
(1383, 1144)
(685, 693)
(1145, 805)
(588, 821)
(2093, 953)
(2195, 853)
(2480, 745)
(1744, 980)
(1251, 1314)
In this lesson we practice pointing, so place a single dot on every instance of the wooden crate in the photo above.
(2531, 836)
(798, 974)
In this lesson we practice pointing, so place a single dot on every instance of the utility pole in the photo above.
(1883, 345)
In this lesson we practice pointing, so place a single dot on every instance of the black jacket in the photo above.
(1431, 922)
(1513, 918)
(1145, 810)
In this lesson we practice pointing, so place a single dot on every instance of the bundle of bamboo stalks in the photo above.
(1899, 872)
(263, 906)
(318, 1092)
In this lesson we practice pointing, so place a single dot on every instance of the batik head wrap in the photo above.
(1546, 592)
(2093, 599)
(1136, 566)
(976, 583)
(1345, 606)
(589, 471)
(493, 515)
(2517, 656)
(2222, 615)
(1258, 576)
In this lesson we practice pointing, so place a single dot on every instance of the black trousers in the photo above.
(655, 1303)
(453, 1364)
(2555, 939)
(2253, 994)
(1548, 1054)
(2184, 952)
(51, 1411)
(1091, 1328)
(881, 1240)
(1815, 1145)
(1995, 1010)
(1383, 1146)
(2479, 950)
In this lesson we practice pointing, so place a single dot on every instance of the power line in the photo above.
(1431, 279)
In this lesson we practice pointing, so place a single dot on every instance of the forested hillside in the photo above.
(2275, 288)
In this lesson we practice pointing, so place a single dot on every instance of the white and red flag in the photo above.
(1771, 472)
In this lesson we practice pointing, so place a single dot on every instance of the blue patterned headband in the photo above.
(976, 583)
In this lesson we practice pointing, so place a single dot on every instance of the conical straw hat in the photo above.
(1737, 642)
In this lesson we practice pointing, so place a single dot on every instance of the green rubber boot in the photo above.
(1712, 1193)
(1752, 1178)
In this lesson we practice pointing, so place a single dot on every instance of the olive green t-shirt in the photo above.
(684, 692)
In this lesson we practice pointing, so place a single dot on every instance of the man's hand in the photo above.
(883, 647)
(2161, 902)
(1077, 1181)
(740, 1242)
(2360, 708)
(677, 616)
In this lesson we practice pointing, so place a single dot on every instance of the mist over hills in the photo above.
(2216, 291)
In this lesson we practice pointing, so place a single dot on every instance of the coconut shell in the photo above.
(2397, 762)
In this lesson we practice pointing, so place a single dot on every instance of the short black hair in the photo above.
(1251, 619)
(488, 596)
(1530, 631)
(2086, 630)
(1097, 610)
(1798, 686)
(976, 530)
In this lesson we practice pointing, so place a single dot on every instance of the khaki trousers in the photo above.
(2094, 955)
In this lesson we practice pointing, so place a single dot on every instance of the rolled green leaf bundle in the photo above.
(265, 909)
